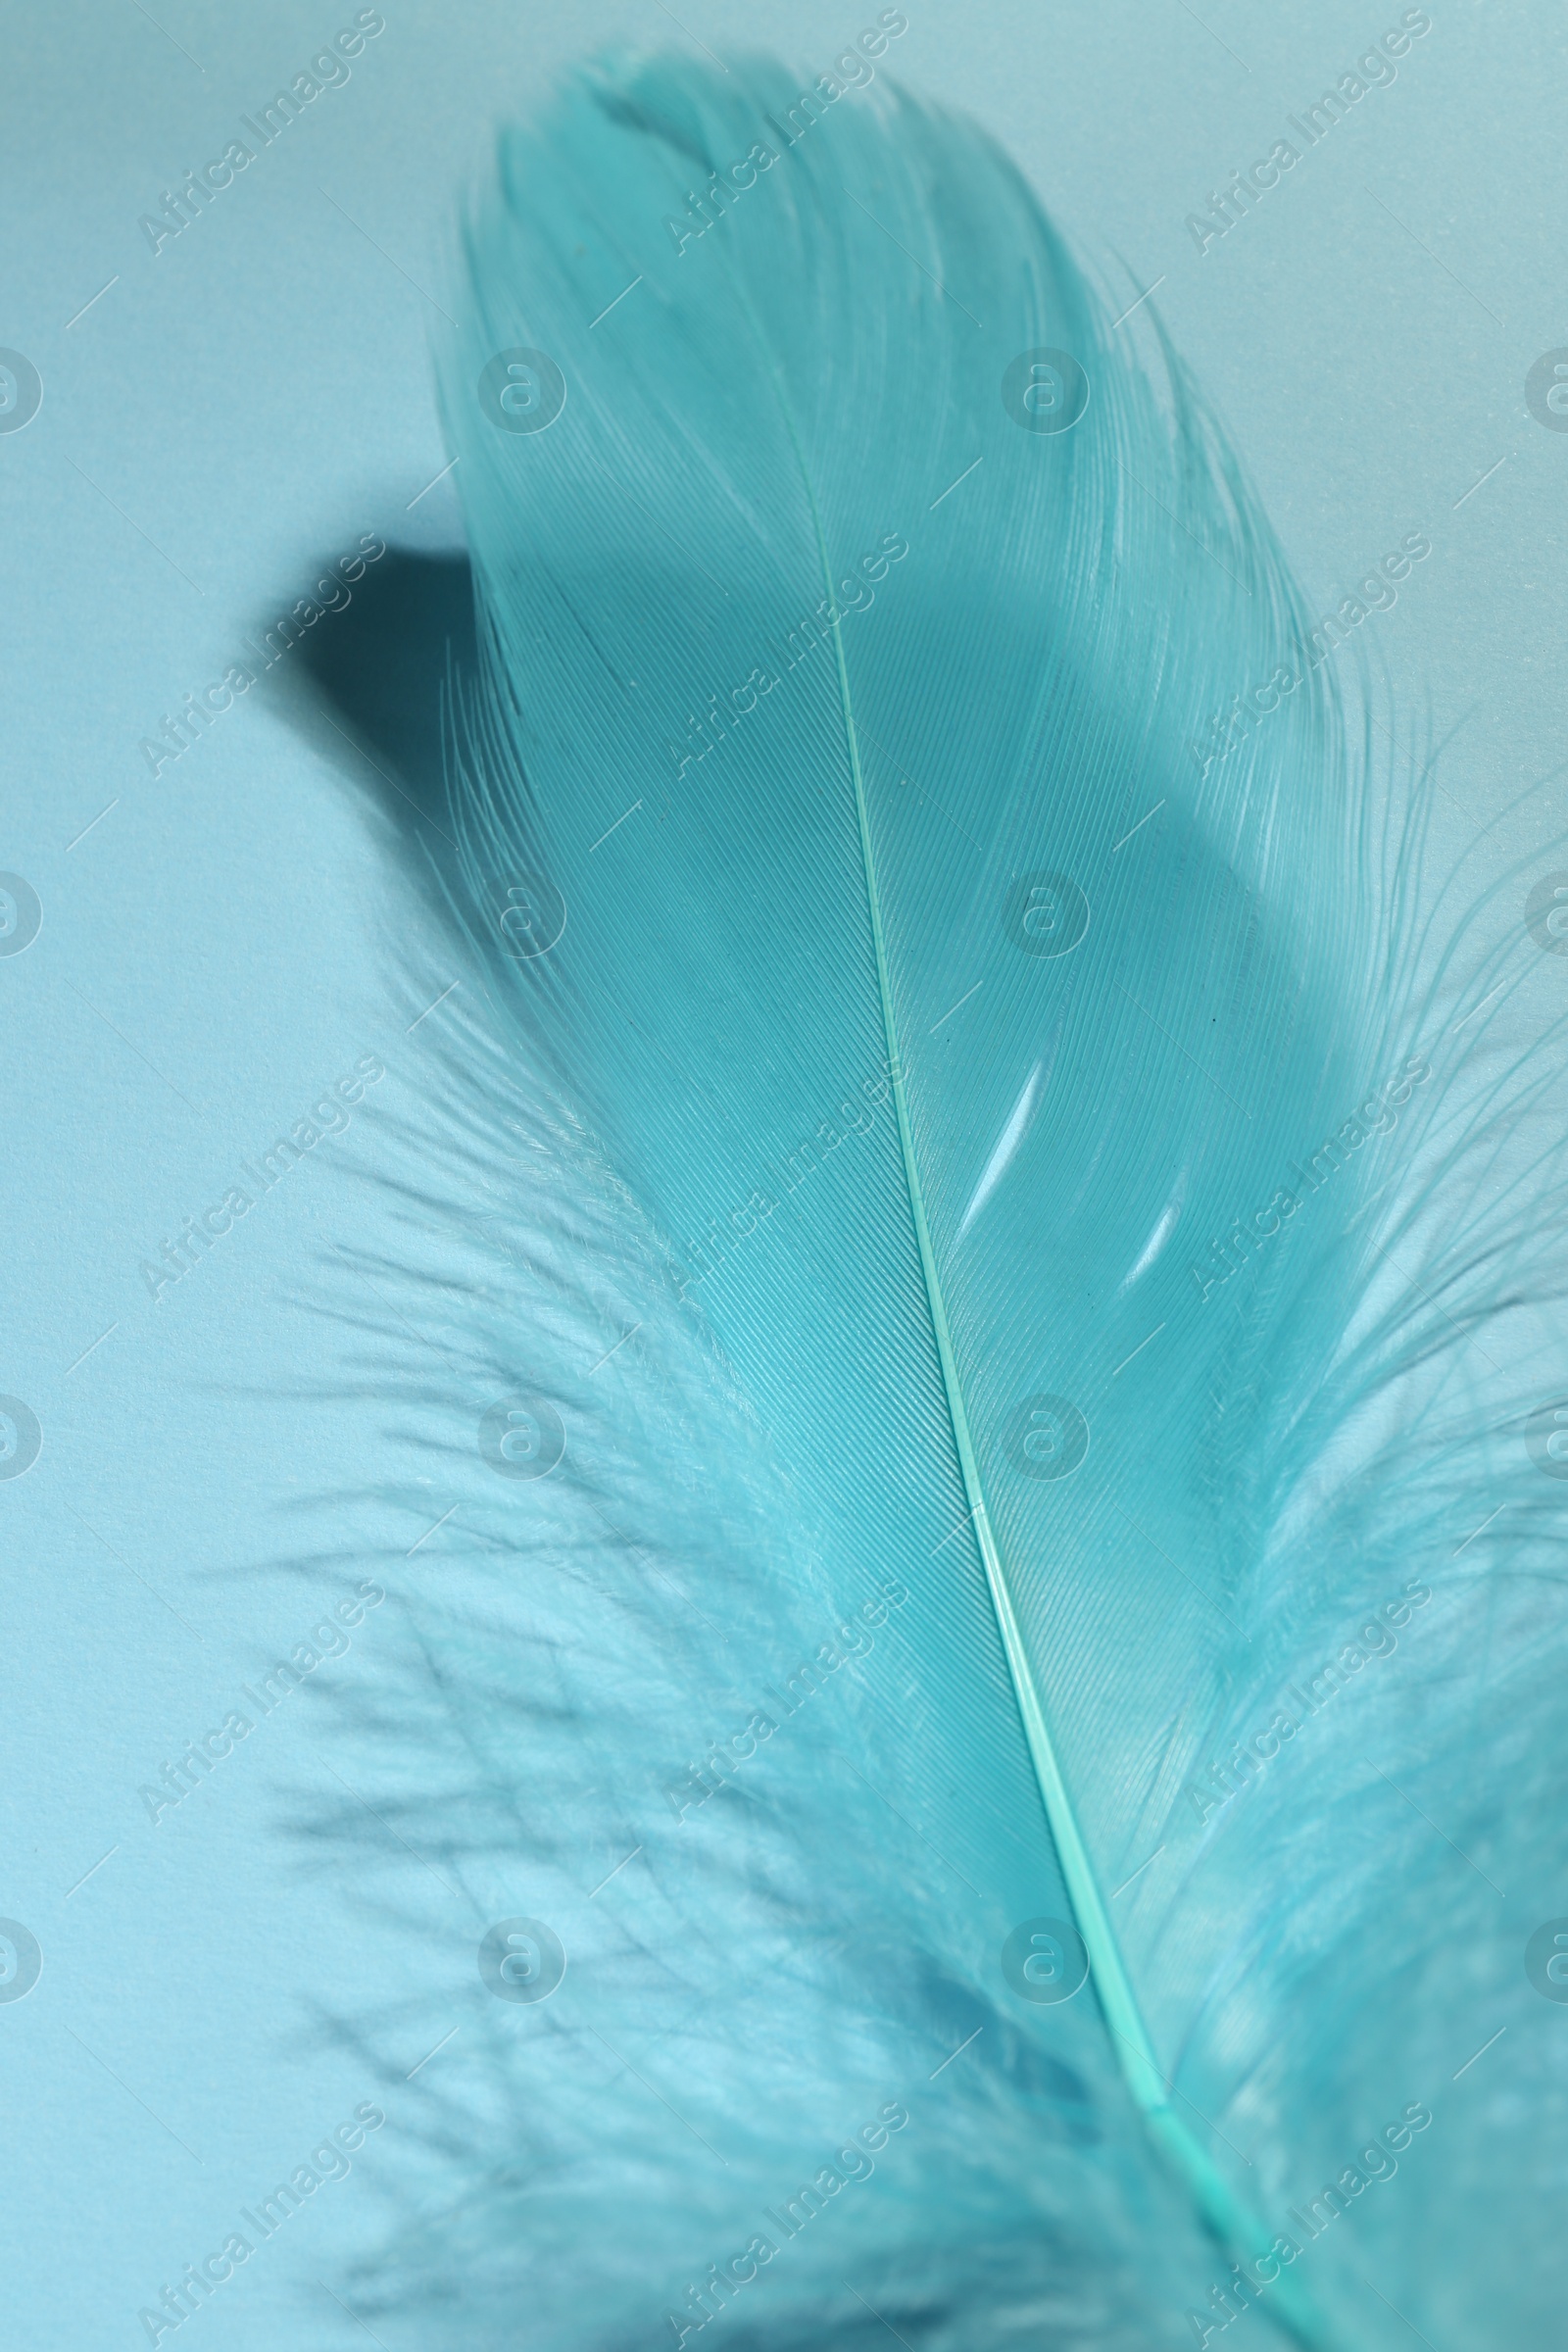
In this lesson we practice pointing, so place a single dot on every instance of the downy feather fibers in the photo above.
(992, 1187)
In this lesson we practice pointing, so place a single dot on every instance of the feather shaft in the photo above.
(1221, 2210)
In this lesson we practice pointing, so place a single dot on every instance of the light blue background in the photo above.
(228, 940)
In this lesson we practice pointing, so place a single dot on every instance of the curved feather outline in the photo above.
(482, 866)
(1147, 2087)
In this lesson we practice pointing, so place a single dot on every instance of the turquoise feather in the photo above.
(949, 1018)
